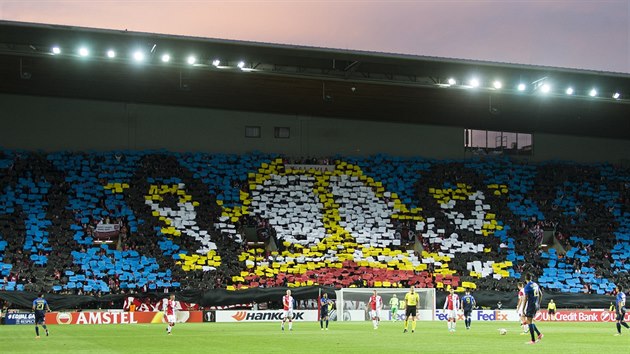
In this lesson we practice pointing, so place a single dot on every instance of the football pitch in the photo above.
(306, 337)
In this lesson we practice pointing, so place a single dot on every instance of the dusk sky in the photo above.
(584, 34)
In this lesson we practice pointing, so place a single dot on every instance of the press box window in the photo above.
(498, 142)
(252, 132)
(282, 132)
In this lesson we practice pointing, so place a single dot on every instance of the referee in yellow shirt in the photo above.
(551, 310)
(412, 300)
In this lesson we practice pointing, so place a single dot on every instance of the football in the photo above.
(502, 331)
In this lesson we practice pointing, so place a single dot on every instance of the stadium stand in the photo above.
(112, 222)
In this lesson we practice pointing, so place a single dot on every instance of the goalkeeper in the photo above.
(393, 303)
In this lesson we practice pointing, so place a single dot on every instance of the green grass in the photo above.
(347, 337)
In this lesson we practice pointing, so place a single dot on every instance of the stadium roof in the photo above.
(39, 59)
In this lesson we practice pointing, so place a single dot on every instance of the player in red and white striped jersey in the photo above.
(520, 307)
(376, 304)
(287, 305)
(451, 305)
(169, 311)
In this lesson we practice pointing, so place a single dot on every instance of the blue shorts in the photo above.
(531, 309)
(40, 317)
(621, 313)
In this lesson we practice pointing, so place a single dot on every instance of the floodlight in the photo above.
(138, 56)
(84, 52)
(216, 62)
(191, 60)
(616, 95)
(451, 81)
(521, 87)
(241, 64)
(592, 93)
(166, 58)
(545, 88)
(569, 91)
(497, 84)
(474, 83)
(56, 50)
(111, 54)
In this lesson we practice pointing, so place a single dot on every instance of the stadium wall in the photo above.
(52, 124)
(223, 297)
(576, 148)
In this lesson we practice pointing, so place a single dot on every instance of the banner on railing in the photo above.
(208, 298)
(119, 317)
(263, 316)
(580, 316)
(20, 318)
(481, 315)
(386, 315)
(154, 305)
(105, 232)
(300, 167)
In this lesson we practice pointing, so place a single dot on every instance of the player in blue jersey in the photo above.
(40, 306)
(468, 304)
(325, 304)
(620, 309)
(533, 295)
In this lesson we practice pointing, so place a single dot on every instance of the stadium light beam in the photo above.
(474, 82)
(84, 52)
(569, 91)
(592, 93)
(241, 64)
(451, 81)
(216, 62)
(166, 58)
(56, 50)
(497, 85)
(521, 87)
(191, 60)
(111, 54)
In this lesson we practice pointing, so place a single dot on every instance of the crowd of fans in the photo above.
(558, 193)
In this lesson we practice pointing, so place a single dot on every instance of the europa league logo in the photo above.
(64, 318)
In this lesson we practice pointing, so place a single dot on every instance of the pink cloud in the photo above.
(557, 33)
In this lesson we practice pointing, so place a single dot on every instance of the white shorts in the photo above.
(375, 313)
(451, 314)
(288, 314)
(171, 318)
